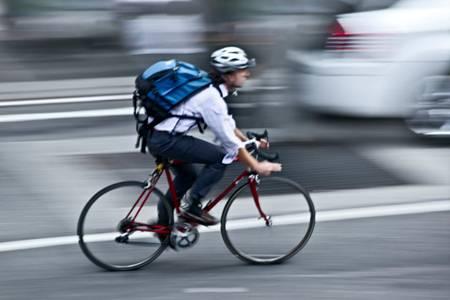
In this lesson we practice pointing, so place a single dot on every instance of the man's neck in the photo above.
(224, 90)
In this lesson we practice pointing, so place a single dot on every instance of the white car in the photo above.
(393, 62)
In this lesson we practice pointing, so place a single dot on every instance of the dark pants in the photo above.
(190, 150)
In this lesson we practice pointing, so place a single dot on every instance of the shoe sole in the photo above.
(197, 219)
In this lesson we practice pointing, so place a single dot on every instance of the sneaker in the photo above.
(191, 210)
(196, 214)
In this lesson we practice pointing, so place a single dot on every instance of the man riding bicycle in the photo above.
(168, 139)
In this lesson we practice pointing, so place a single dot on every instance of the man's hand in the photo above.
(263, 144)
(265, 168)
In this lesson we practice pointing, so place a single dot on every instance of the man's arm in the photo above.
(263, 142)
(261, 167)
(224, 128)
(240, 135)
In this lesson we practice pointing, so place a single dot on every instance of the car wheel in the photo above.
(430, 116)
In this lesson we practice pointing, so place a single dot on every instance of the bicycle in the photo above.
(272, 228)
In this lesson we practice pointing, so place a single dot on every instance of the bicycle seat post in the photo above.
(161, 164)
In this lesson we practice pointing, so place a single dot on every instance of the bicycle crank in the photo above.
(184, 236)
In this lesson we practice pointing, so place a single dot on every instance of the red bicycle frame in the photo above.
(151, 184)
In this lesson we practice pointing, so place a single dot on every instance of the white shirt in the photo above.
(209, 105)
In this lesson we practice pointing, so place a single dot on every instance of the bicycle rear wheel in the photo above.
(292, 218)
(114, 241)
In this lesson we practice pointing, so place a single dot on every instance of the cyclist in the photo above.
(230, 70)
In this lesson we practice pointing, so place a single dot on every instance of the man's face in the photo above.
(237, 78)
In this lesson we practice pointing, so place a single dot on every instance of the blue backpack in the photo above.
(159, 89)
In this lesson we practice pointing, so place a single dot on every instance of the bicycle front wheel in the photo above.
(286, 230)
(115, 239)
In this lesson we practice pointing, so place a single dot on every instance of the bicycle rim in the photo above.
(292, 216)
(101, 233)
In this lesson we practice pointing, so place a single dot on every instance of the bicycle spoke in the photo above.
(112, 240)
(288, 209)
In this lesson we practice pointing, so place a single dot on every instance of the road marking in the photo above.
(254, 105)
(384, 211)
(438, 133)
(127, 111)
(375, 272)
(122, 97)
(38, 243)
(124, 111)
(168, 51)
(215, 290)
(322, 216)
(66, 100)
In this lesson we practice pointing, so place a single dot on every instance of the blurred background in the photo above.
(355, 95)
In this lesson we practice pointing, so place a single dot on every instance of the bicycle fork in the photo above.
(253, 182)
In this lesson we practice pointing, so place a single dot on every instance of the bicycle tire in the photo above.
(91, 249)
(246, 227)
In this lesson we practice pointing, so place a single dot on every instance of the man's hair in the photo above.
(216, 77)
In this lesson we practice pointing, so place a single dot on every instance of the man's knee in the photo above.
(216, 171)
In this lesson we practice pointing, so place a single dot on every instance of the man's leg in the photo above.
(193, 150)
(208, 176)
(199, 151)
(185, 175)
(192, 208)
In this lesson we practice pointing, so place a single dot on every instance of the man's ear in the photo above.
(228, 76)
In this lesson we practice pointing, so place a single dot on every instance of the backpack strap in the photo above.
(141, 123)
(142, 138)
(216, 85)
(198, 121)
(143, 127)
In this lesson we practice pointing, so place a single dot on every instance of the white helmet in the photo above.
(230, 59)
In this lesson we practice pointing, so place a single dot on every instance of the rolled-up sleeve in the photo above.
(215, 114)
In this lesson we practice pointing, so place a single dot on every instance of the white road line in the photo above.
(393, 272)
(384, 211)
(253, 105)
(38, 243)
(126, 111)
(263, 88)
(215, 290)
(168, 51)
(438, 133)
(117, 97)
(66, 100)
(322, 216)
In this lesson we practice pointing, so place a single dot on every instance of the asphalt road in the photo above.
(403, 257)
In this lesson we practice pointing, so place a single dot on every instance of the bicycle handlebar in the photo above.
(270, 156)
(251, 135)
(253, 146)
